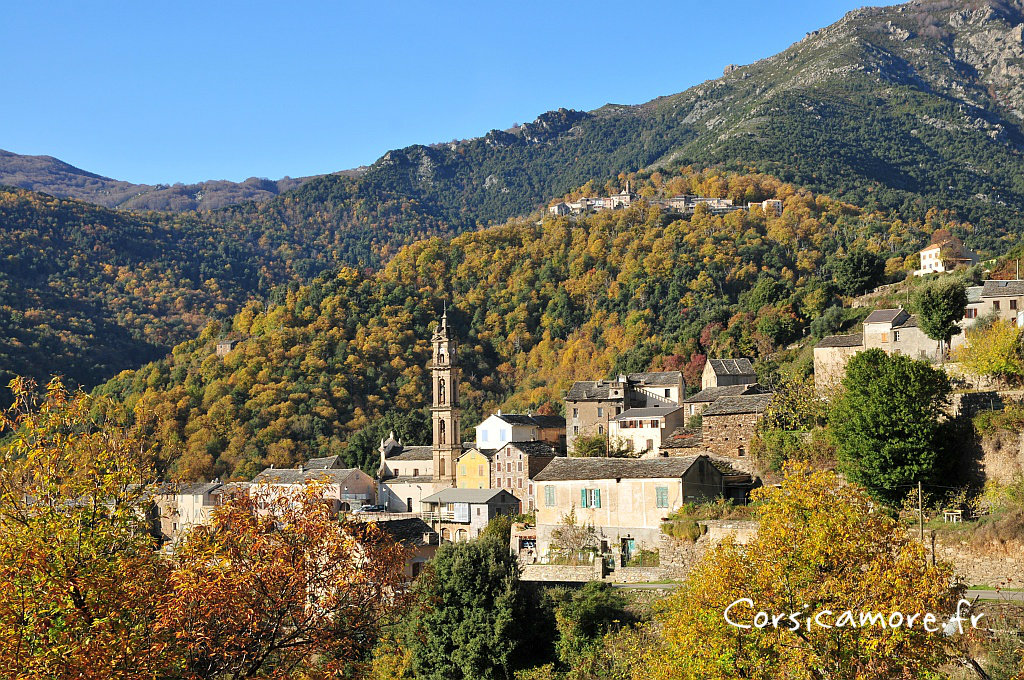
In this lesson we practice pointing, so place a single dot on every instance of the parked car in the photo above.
(371, 508)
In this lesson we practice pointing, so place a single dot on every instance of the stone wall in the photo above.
(563, 573)
(1002, 456)
(678, 556)
(993, 565)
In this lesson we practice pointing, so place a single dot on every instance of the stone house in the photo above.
(224, 347)
(1003, 299)
(696, 404)
(729, 424)
(642, 429)
(516, 465)
(830, 358)
(722, 372)
(345, 489)
(590, 405)
(626, 499)
(461, 514)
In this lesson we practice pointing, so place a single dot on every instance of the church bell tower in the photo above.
(445, 412)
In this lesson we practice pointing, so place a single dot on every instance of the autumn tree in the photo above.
(79, 573)
(994, 351)
(940, 305)
(275, 585)
(821, 548)
(888, 423)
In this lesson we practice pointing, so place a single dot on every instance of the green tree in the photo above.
(887, 423)
(858, 272)
(590, 446)
(940, 305)
(583, 616)
(467, 621)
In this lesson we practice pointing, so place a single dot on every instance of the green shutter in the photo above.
(583, 498)
(661, 496)
(597, 498)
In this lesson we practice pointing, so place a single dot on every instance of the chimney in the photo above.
(301, 469)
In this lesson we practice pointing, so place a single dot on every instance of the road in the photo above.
(1003, 595)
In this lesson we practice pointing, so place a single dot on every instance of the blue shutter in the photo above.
(597, 498)
(583, 498)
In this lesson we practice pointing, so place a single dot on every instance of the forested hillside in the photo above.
(535, 305)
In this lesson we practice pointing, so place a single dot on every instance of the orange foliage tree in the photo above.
(276, 586)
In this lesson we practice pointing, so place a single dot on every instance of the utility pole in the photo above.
(920, 519)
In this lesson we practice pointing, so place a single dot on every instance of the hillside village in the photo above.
(661, 445)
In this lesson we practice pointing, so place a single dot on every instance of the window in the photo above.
(508, 466)
(480, 470)
(531, 489)
(600, 429)
(590, 498)
(497, 482)
(549, 496)
(520, 468)
(740, 451)
(661, 496)
(668, 393)
(654, 424)
(995, 305)
(440, 432)
(650, 444)
(575, 429)
(618, 410)
(483, 435)
(520, 480)
(895, 336)
(971, 314)
(575, 413)
(415, 472)
(1013, 304)
(440, 391)
(462, 470)
(508, 482)
(600, 412)
(398, 473)
(441, 473)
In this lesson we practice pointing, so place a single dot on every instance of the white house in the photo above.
(501, 428)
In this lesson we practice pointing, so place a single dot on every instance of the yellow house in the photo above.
(473, 469)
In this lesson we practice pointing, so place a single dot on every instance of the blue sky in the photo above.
(185, 91)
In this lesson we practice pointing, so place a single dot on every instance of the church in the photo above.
(409, 474)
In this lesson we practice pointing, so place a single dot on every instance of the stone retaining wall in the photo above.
(995, 565)
(563, 573)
